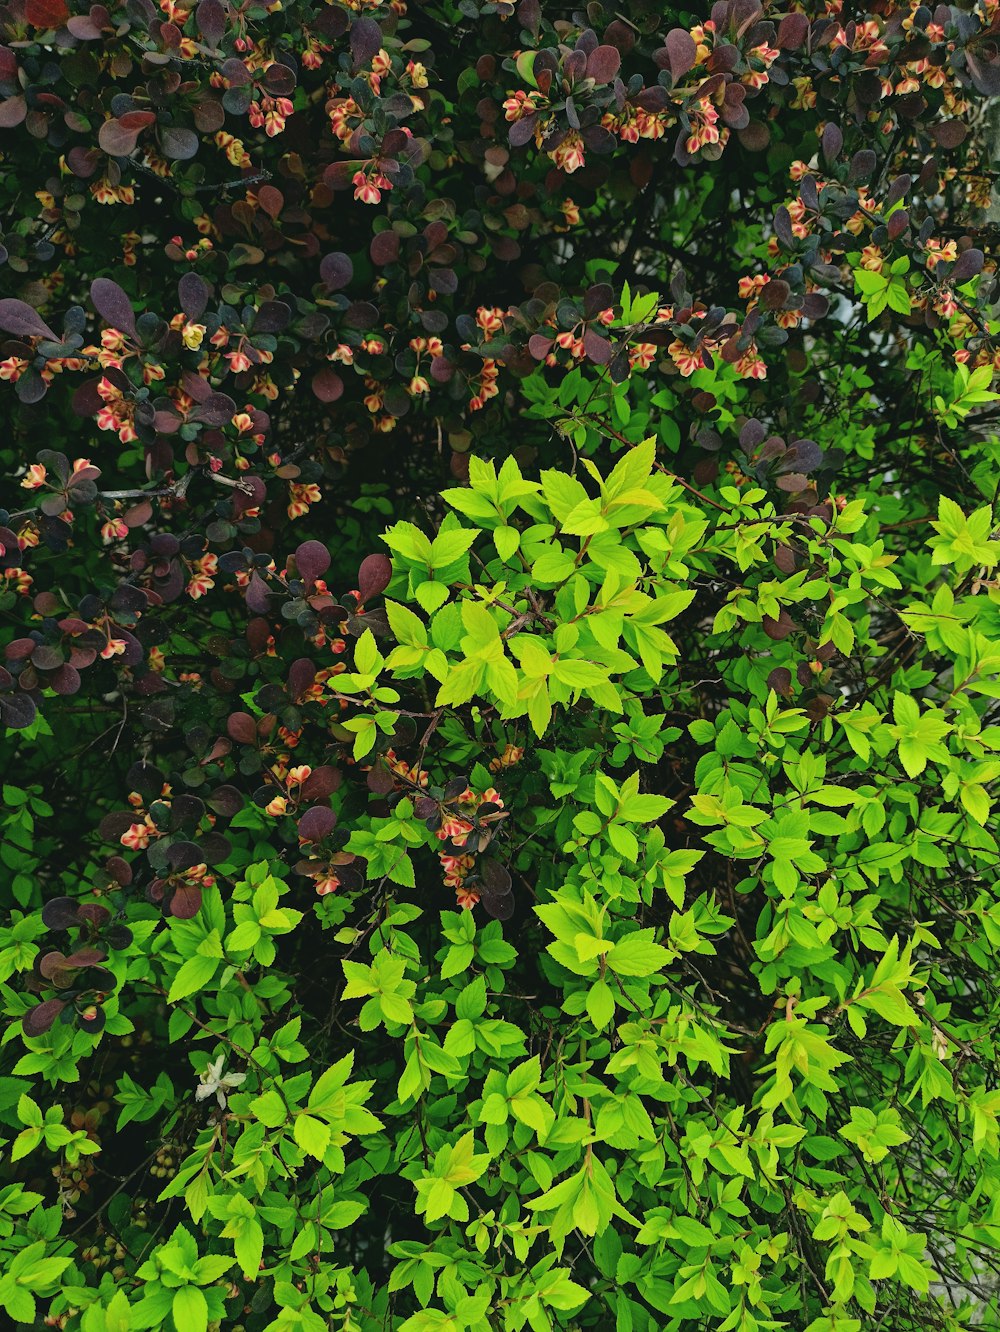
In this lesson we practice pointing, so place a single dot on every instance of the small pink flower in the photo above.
(113, 530)
(35, 477)
(364, 189)
(137, 837)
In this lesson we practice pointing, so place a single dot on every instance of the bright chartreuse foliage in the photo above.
(735, 1069)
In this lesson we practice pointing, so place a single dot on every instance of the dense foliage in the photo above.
(501, 663)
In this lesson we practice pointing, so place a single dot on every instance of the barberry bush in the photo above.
(500, 648)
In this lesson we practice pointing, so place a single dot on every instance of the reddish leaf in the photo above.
(603, 64)
(374, 576)
(193, 293)
(46, 13)
(680, 51)
(113, 305)
(186, 901)
(316, 823)
(38, 1020)
(321, 782)
(312, 559)
(384, 248)
(19, 318)
(119, 137)
(792, 31)
(211, 20)
(336, 270)
(12, 112)
(271, 200)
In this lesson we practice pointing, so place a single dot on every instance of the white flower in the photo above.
(213, 1083)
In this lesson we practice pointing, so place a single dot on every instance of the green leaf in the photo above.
(190, 1310)
(638, 955)
(193, 976)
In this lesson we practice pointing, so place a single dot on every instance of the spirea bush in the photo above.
(500, 643)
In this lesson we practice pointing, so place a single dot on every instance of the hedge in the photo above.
(501, 661)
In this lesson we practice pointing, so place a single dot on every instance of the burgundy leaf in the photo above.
(225, 800)
(211, 19)
(603, 64)
(384, 248)
(257, 597)
(192, 293)
(780, 680)
(968, 264)
(93, 912)
(65, 680)
(327, 385)
(186, 901)
(25, 322)
(38, 1020)
(242, 728)
(46, 13)
(681, 52)
(60, 913)
(792, 31)
(374, 576)
(312, 559)
(832, 142)
(86, 957)
(119, 137)
(336, 270)
(301, 676)
(950, 133)
(83, 28)
(12, 112)
(321, 782)
(366, 39)
(272, 317)
(598, 349)
(316, 823)
(113, 305)
(779, 628)
(216, 409)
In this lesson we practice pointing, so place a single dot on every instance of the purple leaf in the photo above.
(38, 1020)
(678, 54)
(316, 823)
(21, 319)
(384, 248)
(12, 112)
(242, 728)
(374, 576)
(113, 305)
(792, 31)
(366, 39)
(603, 64)
(968, 264)
(60, 913)
(178, 143)
(211, 18)
(258, 599)
(336, 270)
(327, 384)
(832, 142)
(192, 293)
(312, 559)
(301, 676)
